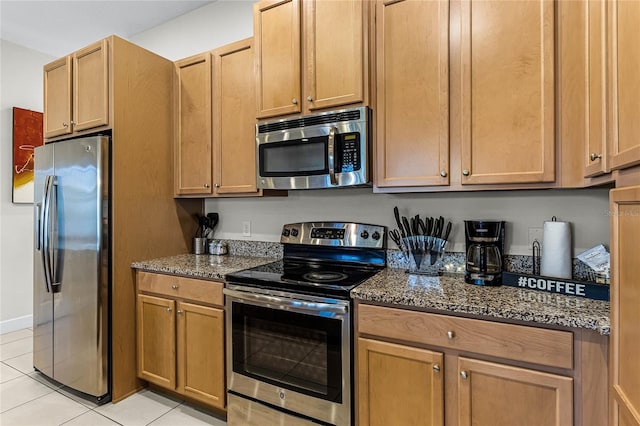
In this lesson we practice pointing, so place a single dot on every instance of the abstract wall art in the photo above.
(27, 135)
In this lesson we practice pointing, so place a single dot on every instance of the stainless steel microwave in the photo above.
(325, 150)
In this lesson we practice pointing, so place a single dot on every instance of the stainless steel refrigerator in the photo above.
(71, 289)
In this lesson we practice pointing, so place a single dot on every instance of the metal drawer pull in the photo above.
(168, 309)
(436, 368)
(451, 334)
(464, 374)
(175, 286)
(180, 312)
(595, 156)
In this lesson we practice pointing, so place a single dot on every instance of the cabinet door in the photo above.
(201, 355)
(156, 340)
(596, 155)
(234, 120)
(499, 395)
(91, 86)
(507, 106)
(193, 158)
(334, 52)
(57, 97)
(276, 26)
(625, 299)
(412, 146)
(399, 385)
(624, 90)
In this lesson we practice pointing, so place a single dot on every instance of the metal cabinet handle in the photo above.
(294, 101)
(443, 173)
(206, 185)
(217, 185)
(175, 286)
(64, 124)
(451, 334)
(464, 374)
(168, 309)
(310, 98)
(595, 156)
(180, 312)
(436, 368)
(466, 172)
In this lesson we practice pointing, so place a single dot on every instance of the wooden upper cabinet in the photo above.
(192, 111)
(276, 26)
(499, 395)
(624, 82)
(57, 97)
(234, 139)
(596, 152)
(412, 116)
(625, 298)
(310, 54)
(507, 91)
(91, 86)
(76, 91)
(335, 33)
(399, 385)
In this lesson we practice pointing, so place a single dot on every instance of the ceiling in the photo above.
(61, 27)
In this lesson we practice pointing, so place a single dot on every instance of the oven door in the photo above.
(290, 351)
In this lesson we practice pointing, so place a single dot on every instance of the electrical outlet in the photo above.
(535, 234)
(246, 228)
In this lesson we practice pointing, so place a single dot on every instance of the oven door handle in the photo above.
(286, 303)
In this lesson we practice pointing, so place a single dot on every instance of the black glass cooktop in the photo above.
(304, 276)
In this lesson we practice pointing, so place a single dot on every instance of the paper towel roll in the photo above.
(556, 250)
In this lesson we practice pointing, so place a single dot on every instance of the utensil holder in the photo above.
(423, 254)
(199, 245)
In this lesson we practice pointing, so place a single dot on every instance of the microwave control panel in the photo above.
(348, 152)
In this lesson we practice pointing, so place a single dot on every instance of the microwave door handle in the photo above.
(332, 154)
(286, 303)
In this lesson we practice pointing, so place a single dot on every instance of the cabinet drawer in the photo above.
(516, 342)
(180, 287)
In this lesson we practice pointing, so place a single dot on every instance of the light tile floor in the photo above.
(28, 398)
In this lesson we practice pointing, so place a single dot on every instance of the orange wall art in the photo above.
(27, 135)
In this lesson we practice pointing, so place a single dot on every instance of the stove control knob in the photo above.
(364, 235)
(285, 232)
(376, 236)
(294, 232)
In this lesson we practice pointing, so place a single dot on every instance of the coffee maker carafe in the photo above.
(484, 251)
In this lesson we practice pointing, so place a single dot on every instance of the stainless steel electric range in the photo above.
(289, 326)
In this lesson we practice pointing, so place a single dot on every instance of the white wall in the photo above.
(586, 209)
(21, 86)
(208, 27)
(227, 21)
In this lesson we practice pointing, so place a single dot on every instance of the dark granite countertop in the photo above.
(201, 265)
(450, 295)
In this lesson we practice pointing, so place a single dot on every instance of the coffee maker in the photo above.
(484, 251)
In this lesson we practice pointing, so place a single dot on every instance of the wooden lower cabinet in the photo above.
(625, 298)
(399, 385)
(497, 394)
(180, 343)
(419, 368)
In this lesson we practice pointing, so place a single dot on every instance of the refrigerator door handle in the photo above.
(45, 232)
(38, 226)
(53, 234)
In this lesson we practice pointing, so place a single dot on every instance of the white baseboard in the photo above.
(15, 324)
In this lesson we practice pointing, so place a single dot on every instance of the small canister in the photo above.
(218, 247)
